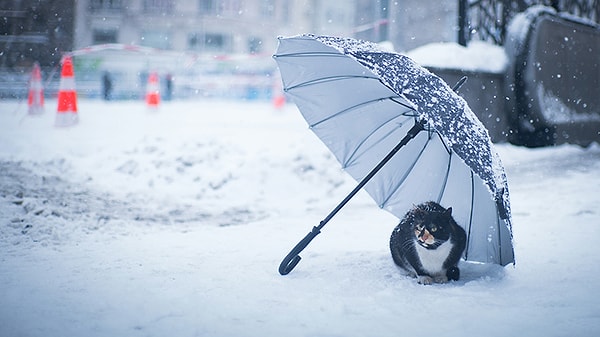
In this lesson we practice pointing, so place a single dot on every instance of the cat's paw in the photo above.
(441, 279)
(424, 279)
(453, 273)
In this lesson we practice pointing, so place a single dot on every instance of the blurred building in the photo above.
(41, 30)
(251, 26)
(214, 26)
(407, 24)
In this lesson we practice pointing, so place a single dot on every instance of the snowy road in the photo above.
(173, 222)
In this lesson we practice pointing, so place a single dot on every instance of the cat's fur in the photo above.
(428, 243)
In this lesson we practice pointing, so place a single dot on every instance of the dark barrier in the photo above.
(553, 81)
(484, 92)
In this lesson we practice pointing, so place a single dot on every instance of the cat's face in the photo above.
(432, 232)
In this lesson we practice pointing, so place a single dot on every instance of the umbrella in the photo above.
(402, 133)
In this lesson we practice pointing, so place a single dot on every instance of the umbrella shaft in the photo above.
(292, 259)
(412, 133)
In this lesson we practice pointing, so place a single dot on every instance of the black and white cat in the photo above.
(428, 243)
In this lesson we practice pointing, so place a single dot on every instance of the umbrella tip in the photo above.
(459, 83)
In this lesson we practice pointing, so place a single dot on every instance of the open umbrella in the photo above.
(403, 133)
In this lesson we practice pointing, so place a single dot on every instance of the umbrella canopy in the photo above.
(361, 101)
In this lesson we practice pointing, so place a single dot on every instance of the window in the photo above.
(104, 5)
(214, 42)
(194, 42)
(221, 7)
(229, 7)
(104, 36)
(254, 45)
(159, 6)
(156, 39)
(267, 8)
(208, 7)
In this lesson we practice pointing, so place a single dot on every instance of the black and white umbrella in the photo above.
(402, 133)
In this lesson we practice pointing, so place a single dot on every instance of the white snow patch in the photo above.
(174, 223)
(477, 56)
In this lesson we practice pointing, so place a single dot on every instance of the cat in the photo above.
(428, 243)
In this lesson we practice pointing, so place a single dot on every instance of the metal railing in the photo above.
(487, 20)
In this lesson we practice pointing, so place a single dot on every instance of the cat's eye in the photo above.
(433, 229)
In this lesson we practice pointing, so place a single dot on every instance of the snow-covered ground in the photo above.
(173, 223)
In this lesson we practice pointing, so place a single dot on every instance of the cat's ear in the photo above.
(448, 212)
(419, 210)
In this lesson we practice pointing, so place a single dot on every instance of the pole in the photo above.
(463, 22)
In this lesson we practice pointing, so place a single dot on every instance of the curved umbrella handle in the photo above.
(292, 259)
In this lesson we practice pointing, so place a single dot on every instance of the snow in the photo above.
(519, 27)
(557, 112)
(477, 56)
(173, 222)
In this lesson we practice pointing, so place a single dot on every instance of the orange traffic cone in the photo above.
(278, 95)
(279, 101)
(152, 91)
(36, 91)
(67, 96)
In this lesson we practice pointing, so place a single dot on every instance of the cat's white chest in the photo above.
(433, 259)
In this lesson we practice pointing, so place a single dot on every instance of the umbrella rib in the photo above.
(499, 239)
(446, 176)
(393, 99)
(310, 54)
(327, 79)
(350, 109)
(349, 159)
(499, 223)
(408, 172)
(470, 216)
(443, 189)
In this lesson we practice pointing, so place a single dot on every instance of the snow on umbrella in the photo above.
(370, 106)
